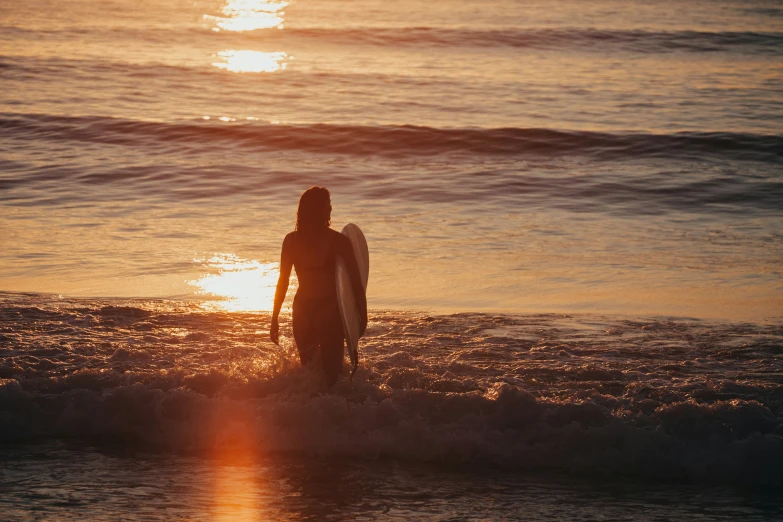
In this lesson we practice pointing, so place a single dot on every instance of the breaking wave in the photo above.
(674, 400)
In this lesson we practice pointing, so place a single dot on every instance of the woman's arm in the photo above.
(286, 262)
(346, 250)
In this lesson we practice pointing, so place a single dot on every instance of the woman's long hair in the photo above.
(311, 215)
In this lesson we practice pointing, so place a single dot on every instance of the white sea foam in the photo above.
(674, 400)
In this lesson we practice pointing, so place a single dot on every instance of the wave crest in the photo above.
(391, 140)
(583, 39)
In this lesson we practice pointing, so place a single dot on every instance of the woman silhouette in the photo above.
(312, 249)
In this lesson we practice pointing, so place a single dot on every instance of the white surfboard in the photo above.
(349, 309)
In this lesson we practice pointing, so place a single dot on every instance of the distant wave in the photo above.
(389, 140)
(585, 39)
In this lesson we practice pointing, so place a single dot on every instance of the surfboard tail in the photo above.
(355, 365)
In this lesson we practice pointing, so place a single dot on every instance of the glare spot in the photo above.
(236, 284)
(249, 15)
(251, 61)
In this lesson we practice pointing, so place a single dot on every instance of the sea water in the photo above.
(574, 212)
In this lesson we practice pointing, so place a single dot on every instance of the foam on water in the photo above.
(676, 400)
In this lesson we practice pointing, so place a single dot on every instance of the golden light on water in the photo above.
(249, 15)
(237, 285)
(251, 61)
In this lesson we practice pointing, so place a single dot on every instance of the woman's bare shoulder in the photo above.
(288, 242)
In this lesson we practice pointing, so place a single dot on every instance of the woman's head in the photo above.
(315, 210)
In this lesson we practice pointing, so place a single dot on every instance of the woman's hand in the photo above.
(274, 331)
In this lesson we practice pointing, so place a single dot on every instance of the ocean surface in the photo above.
(575, 218)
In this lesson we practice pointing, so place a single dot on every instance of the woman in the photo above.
(312, 249)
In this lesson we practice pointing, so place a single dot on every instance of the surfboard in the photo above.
(349, 309)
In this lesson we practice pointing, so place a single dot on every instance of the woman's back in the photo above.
(313, 257)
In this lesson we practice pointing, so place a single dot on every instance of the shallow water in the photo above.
(77, 482)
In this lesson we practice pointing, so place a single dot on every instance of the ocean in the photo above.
(575, 219)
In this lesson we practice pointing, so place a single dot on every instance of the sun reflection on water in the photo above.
(237, 284)
(251, 61)
(249, 15)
